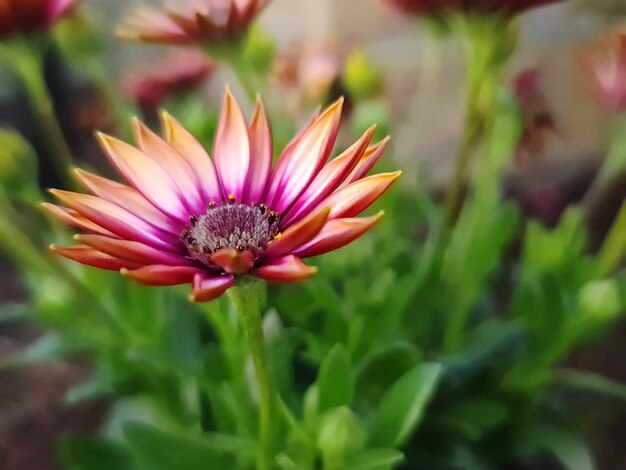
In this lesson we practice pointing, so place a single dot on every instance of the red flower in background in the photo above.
(604, 67)
(186, 217)
(441, 7)
(174, 75)
(196, 21)
(25, 16)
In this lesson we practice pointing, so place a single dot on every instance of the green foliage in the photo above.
(402, 406)
(158, 450)
(93, 454)
(335, 382)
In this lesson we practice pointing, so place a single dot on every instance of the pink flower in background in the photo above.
(537, 119)
(176, 74)
(187, 218)
(193, 21)
(305, 75)
(25, 16)
(604, 67)
(439, 7)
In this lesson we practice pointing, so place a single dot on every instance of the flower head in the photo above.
(25, 16)
(176, 74)
(185, 217)
(197, 21)
(482, 7)
(604, 65)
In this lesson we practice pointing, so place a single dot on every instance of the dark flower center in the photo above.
(234, 225)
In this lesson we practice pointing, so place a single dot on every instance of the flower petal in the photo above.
(86, 255)
(162, 275)
(287, 269)
(132, 251)
(233, 261)
(58, 8)
(358, 196)
(232, 148)
(116, 219)
(329, 178)
(260, 155)
(367, 162)
(146, 175)
(72, 217)
(298, 234)
(173, 164)
(336, 234)
(152, 26)
(207, 288)
(300, 162)
(196, 155)
(128, 198)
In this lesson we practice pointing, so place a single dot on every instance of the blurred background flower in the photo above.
(198, 21)
(180, 72)
(603, 64)
(26, 16)
(442, 7)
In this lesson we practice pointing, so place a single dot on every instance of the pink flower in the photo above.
(537, 120)
(25, 16)
(604, 66)
(176, 74)
(185, 217)
(440, 7)
(196, 21)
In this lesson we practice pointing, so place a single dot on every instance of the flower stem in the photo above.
(28, 63)
(479, 93)
(246, 296)
(244, 74)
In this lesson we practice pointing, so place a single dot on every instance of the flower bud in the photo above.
(360, 78)
(600, 299)
(340, 435)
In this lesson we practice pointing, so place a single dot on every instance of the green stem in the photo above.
(614, 249)
(472, 134)
(479, 80)
(28, 63)
(246, 295)
(487, 47)
(244, 75)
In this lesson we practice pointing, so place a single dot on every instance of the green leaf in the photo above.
(472, 418)
(159, 450)
(374, 459)
(589, 382)
(77, 453)
(573, 453)
(47, 348)
(382, 368)
(96, 387)
(401, 408)
(340, 434)
(335, 381)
